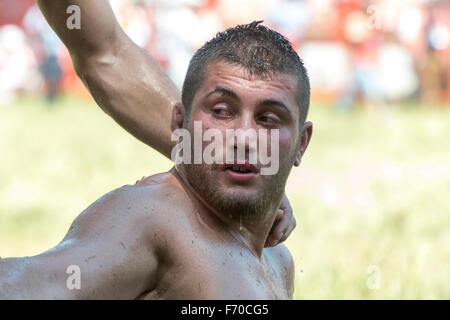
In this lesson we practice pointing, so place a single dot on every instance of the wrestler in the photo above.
(195, 232)
(127, 83)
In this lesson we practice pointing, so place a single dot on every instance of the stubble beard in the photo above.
(236, 204)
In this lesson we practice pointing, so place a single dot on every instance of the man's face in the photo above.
(229, 98)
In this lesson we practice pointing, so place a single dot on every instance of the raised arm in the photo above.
(125, 81)
(108, 253)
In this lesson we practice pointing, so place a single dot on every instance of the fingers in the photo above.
(291, 226)
(270, 237)
(289, 216)
(283, 226)
(279, 228)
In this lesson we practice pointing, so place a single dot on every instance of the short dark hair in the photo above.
(258, 49)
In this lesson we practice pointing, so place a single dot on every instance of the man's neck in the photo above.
(251, 232)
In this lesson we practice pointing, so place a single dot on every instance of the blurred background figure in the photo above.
(45, 44)
(435, 58)
(16, 62)
(358, 52)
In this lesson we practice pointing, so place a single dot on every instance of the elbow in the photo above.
(93, 65)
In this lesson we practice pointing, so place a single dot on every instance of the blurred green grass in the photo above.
(373, 190)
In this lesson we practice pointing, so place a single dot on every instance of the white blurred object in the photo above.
(328, 64)
(439, 36)
(390, 12)
(291, 17)
(35, 24)
(355, 27)
(409, 24)
(17, 63)
(180, 32)
(176, 3)
(397, 74)
(234, 12)
(137, 25)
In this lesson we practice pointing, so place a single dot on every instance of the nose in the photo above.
(244, 140)
(245, 121)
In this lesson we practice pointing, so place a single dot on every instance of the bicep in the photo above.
(125, 81)
(131, 87)
(105, 255)
(90, 270)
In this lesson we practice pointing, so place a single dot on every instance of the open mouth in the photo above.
(239, 169)
(240, 172)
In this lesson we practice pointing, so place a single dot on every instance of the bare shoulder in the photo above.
(118, 242)
(141, 209)
(281, 255)
(283, 262)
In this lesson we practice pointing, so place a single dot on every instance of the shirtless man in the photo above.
(198, 231)
(127, 83)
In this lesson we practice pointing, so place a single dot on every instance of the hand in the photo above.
(283, 225)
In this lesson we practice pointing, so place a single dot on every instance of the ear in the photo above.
(178, 114)
(304, 141)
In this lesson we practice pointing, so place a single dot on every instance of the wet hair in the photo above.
(260, 50)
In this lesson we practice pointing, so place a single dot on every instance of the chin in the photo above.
(239, 192)
(225, 195)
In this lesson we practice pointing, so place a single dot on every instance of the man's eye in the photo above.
(221, 112)
(268, 120)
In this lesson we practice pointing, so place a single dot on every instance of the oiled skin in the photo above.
(202, 260)
(150, 240)
(127, 83)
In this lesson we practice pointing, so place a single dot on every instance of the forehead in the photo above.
(279, 86)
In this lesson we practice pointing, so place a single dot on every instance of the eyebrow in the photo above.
(266, 102)
(225, 92)
(273, 102)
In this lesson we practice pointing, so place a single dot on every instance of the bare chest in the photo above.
(201, 269)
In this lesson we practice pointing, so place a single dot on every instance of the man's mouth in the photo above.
(243, 168)
(239, 169)
(240, 172)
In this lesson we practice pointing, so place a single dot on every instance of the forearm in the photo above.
(12, 279)
(98, 26)
(133, 89)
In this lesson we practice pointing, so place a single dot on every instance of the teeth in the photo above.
(239, 169)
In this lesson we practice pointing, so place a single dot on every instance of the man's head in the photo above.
(249, 78)
(259, 50)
